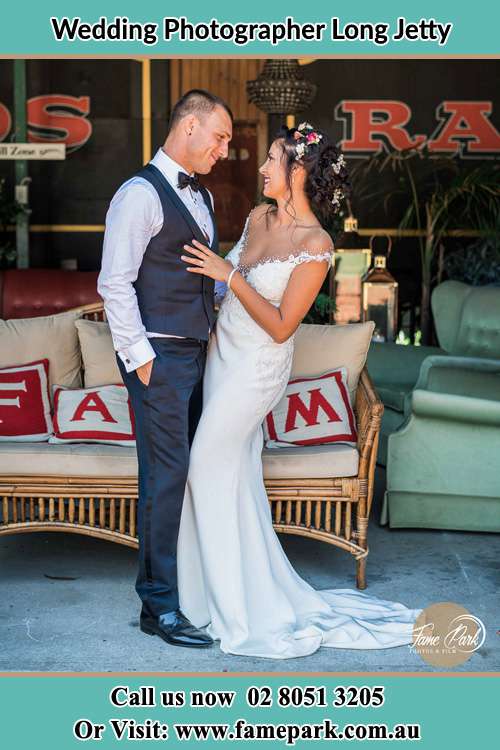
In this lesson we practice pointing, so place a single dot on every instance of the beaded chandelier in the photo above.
(281, 89)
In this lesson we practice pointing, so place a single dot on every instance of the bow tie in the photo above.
(184, 180)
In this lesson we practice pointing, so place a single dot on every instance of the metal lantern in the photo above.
(352, 259)
(281, 89)
(380, 299)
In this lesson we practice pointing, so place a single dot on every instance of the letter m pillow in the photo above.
(93, 415)
(313, 411)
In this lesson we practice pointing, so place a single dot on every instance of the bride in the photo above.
(234, 577)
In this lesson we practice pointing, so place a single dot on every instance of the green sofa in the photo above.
(442, 426)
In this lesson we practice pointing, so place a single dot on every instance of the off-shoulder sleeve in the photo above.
(318, 253)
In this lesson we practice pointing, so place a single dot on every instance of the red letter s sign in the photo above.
(5, 121)
(55, 118)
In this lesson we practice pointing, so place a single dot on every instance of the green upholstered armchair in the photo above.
(441, 426)
(467, 321)
(443, 466)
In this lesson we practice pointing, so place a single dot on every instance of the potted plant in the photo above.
(477, 263)
(439, 196)
(9, 209)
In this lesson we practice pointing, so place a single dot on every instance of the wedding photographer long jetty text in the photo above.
(181, 29)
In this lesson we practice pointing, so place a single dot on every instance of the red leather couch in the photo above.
(27, 293)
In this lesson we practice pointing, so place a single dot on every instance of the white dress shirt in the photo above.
(134, 216)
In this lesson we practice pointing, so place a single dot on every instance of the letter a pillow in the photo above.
(93, 415)
(313, 411)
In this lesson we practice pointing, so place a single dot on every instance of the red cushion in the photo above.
(25, 403)
(313, 411)
(27, 293)
(93, 415)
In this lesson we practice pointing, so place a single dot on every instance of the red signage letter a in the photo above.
(467, 126)
(92, 402)
(375, 122)
(309, 414)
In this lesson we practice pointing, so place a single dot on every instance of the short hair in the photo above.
(199, 102)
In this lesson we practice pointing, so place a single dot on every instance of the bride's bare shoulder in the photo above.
(317, 240)
(258, 213)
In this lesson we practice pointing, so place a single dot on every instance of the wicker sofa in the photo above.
(322, 492)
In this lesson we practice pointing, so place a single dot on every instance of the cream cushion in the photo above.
(320, 348)
(68, 459)
(100, 460)
(98, 353)
(52, 337)
(311, 461)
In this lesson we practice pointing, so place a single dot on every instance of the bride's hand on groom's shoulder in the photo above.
(204, 261)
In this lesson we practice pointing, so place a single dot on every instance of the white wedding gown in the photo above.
(233, 575)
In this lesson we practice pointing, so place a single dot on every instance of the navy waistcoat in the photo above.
(171, 299)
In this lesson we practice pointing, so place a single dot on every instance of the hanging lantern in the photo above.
(352, 259)
(281, 89)
(380, 298)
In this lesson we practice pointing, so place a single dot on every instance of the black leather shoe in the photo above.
(175, 629)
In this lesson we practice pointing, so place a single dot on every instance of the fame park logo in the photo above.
(445, 634)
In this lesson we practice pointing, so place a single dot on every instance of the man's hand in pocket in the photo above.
(144, 372)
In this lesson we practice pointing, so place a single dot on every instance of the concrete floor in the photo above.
(89, 622)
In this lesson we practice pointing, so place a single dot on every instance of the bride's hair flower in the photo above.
(337, 165)
(300, 150)
(338, 195)
(306, 136)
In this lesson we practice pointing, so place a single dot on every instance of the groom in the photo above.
(160, 318)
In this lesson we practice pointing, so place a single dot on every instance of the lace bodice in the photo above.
(270, 275)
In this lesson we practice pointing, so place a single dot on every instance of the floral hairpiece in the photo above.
(307, 136)
(338, 194)
(337, 165)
